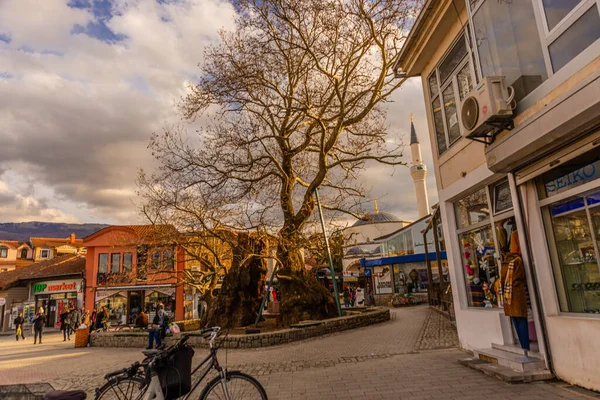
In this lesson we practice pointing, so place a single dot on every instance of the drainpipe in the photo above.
(525, 250)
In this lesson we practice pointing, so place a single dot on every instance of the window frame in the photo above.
(557, 269)
(3, 252)
(26, 253)
(112, 261)
(107, 263)
(547, 37)
(130, 268)
(489, 222)
(465, 35)
(42, 251)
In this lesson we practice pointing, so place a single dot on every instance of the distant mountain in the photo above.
(22, 231)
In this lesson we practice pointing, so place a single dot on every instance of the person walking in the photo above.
(18, 322)
(65, 325)
(75, 319)
(353, 296)
(346, 297)
(38, 325)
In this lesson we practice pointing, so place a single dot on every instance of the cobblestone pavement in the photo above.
(385, 361)
(437, 333)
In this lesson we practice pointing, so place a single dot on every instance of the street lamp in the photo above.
(333, 278)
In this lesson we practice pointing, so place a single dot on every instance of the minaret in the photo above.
(418, 170)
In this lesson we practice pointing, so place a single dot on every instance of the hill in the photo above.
(22, 231)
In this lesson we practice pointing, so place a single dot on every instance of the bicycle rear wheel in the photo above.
(121, 388)
(240, 386)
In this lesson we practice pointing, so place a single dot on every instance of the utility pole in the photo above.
(333, 278)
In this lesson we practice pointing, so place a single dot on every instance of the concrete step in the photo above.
(517, 362)
(505, 373)
(513, 348)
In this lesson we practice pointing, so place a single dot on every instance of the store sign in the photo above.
(573, 179)
(54, 287)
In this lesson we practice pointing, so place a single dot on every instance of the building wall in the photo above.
(368, 232)
(463, 168)
(12, 295)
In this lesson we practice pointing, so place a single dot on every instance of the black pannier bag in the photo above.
(176, 373)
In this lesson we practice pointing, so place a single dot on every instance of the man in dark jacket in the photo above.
(65, 325)
(38, 326)
(19, 321)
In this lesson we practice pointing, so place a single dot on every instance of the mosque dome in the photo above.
(376, 218)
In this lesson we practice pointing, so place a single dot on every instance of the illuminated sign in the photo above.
(54, 287)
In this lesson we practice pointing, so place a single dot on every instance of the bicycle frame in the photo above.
(154, 390)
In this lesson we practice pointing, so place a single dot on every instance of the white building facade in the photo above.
(533, 190)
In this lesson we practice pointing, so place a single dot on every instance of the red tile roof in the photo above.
(59, 266)
(54, 242)
(13, 244)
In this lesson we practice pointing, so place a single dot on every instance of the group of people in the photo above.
(39, 321)
(74, 318)
(349, 296)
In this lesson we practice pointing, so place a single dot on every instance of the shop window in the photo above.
(116, 306)
(485, 237)
(575, 225)
(3, 252)
(103, 263)
(127, 262)
(449, 83)
(472, 209)
(115, 263)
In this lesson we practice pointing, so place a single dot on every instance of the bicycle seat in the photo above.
(65, 395)
(150, 352)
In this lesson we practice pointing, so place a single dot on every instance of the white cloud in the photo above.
(76, 112)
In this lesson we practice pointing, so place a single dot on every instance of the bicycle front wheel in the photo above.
(238, 386)
(125, 388)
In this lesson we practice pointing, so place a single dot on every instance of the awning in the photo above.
(399, 259)
(133, 287)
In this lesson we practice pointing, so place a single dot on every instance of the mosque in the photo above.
(384, 254)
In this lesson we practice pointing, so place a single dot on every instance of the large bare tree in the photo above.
(292, 101)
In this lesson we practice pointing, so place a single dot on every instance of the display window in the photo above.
(486, 232)
(164, 297)
(116, 306)
(571, 210)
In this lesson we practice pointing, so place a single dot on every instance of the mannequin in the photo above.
(514, 297)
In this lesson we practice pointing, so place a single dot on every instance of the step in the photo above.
(517, 362)
(516, 349)
(505, 373)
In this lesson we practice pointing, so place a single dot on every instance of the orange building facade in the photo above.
(130, 269)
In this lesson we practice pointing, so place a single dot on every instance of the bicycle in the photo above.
(141, 380)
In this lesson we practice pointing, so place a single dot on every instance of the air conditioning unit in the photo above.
(486, 107)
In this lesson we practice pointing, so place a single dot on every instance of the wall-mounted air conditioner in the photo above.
(487, 108)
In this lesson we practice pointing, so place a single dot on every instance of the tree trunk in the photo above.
(302, 296)
(241, 293)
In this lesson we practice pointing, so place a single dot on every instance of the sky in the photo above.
(84, 83)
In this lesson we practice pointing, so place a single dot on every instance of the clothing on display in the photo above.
(477, 294)
(515, 246)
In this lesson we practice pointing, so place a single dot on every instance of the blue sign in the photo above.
(574, 178)
(368, 272)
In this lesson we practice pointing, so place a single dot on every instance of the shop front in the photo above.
(54, 297)
(561, 201)
(125, 303)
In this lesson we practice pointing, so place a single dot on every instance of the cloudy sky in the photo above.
(83, 84)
